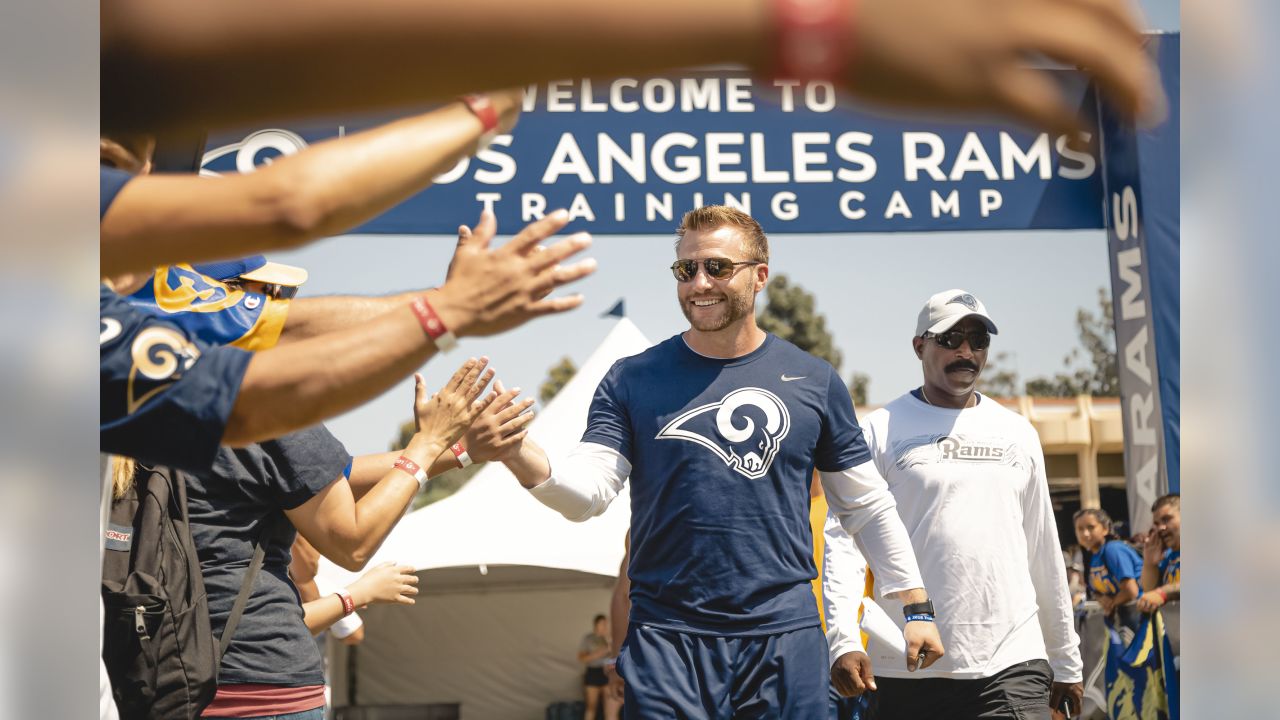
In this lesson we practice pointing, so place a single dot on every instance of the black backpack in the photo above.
(158, 645)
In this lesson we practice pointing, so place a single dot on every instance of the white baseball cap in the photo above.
(949, 307)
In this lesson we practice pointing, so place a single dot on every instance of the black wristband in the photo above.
(920, 608)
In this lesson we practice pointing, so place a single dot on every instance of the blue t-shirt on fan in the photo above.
(1111, 565)
(722, 452)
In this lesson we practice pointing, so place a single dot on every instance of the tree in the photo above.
(1092, 368)
(791, 315)
(442, 485)
(997, 380)
(557, 377)
(859, 384)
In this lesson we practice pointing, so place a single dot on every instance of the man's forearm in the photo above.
(342, 56)
(314, 316)
(1150, 576)
(530, 465)
(325, 190)
(292, 387)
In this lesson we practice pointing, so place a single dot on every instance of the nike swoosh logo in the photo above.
(788, 378)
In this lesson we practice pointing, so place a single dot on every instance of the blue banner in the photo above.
(1138, 210)
(630, 156)
(1159, 165)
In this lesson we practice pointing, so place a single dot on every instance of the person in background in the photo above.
(970, 483)
(1074, 560)
(595, 652)
(1162, 555)
(1114, 567)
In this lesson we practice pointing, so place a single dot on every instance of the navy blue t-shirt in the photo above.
(164, 397)
(110, 182)
(722, 452)
(230, 505)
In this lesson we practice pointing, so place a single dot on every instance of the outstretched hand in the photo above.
(489, 291)
(442, 418)
(386, 583)
(501, 427)
(977, 55)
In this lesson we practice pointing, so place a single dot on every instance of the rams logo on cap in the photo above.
(966, 300)
(178, 288)
(745, 429)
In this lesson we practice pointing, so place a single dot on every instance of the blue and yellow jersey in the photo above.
(1111, 565)
(1171, 568)
(212, 311)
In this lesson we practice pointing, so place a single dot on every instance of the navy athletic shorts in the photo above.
(672, 674)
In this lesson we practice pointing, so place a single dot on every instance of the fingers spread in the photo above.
(558, 251)
(538, 231)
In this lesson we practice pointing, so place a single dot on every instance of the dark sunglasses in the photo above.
(717, 268)
(952, 339)
(280, 292)
(271, 290)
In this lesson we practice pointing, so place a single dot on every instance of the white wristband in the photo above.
(460, 453)
(347, 625)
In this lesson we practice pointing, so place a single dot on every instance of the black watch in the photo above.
(920, 608)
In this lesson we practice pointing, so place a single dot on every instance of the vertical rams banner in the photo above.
(1159, 165)
(630, 156)
(1139, 218)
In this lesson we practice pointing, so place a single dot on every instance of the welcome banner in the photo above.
(630, 156)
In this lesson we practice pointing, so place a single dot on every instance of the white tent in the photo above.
(508, 586)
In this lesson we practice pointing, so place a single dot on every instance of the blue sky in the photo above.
(869, 286)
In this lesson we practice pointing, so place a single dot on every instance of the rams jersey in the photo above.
(1111, 565)
(1171, 568)
(722, 452)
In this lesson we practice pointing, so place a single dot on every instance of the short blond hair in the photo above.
(711, 217)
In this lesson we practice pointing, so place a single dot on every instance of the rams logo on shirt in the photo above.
(745, 429)
(160, 356)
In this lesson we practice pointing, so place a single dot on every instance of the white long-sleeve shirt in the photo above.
(584, 483)
(972, 491)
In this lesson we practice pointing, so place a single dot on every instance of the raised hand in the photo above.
(975, 55)
(442, 418)
(501, 427)
(489, 291)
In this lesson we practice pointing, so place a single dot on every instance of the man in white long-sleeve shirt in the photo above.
(719, 430)
(969, 478)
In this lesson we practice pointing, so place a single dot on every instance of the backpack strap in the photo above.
(246, 588)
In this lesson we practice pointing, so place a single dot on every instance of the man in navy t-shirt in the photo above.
(719, 430)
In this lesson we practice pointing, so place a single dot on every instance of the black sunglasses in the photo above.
(274, 291)
(718, 268)
(952, 339)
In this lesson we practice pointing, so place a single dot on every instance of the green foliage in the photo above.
(1092, 368)
(557, 377)
(791, 315)
(997, 379)
(859, 384)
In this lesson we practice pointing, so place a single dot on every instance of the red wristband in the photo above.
(482, 107)
(1163, 598)
(348, 605)
(413, 468)
(811, 39)
(433, 325)
(460, 453)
